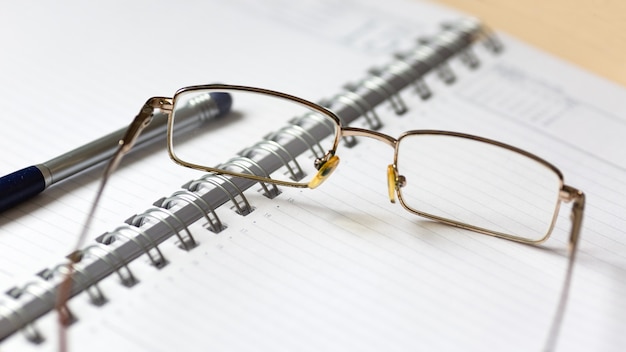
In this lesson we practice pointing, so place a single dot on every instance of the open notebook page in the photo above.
(82, 77)
(340, 268)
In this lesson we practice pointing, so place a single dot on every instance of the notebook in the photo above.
(336, 268)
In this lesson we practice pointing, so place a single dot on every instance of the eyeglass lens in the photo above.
(287, 154)
(477, 183)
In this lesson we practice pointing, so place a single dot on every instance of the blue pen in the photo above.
(30, 181)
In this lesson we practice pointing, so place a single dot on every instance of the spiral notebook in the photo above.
(230, 264)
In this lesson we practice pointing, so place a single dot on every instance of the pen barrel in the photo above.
(98, 151)
(26, 183)
(103, 148)
(20, 185)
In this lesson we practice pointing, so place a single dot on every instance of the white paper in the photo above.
(336, 268)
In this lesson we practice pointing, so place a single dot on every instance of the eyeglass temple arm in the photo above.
(141, 121)
(568, 194)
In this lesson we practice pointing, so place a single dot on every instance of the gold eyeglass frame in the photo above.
(327, 164)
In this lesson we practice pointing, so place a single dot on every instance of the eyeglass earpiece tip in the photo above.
(324, 171)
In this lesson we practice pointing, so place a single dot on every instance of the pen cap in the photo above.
(224, 102)
(20, 185)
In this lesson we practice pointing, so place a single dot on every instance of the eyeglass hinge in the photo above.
(164, 104)
(569, 193)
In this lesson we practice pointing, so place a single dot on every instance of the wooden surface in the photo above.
(589, 33)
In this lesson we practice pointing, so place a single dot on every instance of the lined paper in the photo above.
(339, 267)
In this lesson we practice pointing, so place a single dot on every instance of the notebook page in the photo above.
(339, 268)
(95, 77)
(360, 273)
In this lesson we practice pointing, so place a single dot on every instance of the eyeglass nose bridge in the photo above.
(394, 181)
(347, 131)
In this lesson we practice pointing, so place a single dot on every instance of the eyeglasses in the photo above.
(458, 179)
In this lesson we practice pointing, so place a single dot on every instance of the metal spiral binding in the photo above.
(96, 297)
(186, 243)
(270, 190)
(305, 120)
(28, 328)
(213, 221)
(471, 28)
(239, 201)
(127, 280)
(32, 333)
(400, 68)
(450, 44)
(158, 262)
(272, 147)
(436, 57)
(47, 296)
(199, 198)
(360, 105)
(301, 134)
(376, 83)
(15, 318)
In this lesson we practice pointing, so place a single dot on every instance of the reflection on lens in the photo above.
(286, 155)
(489, 187)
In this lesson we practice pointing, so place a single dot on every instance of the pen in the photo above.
(30, 181)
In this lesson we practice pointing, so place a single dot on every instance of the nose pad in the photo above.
(324, 171)
(394, 182)
(391, 183)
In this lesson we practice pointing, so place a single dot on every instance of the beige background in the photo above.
(590, 33)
